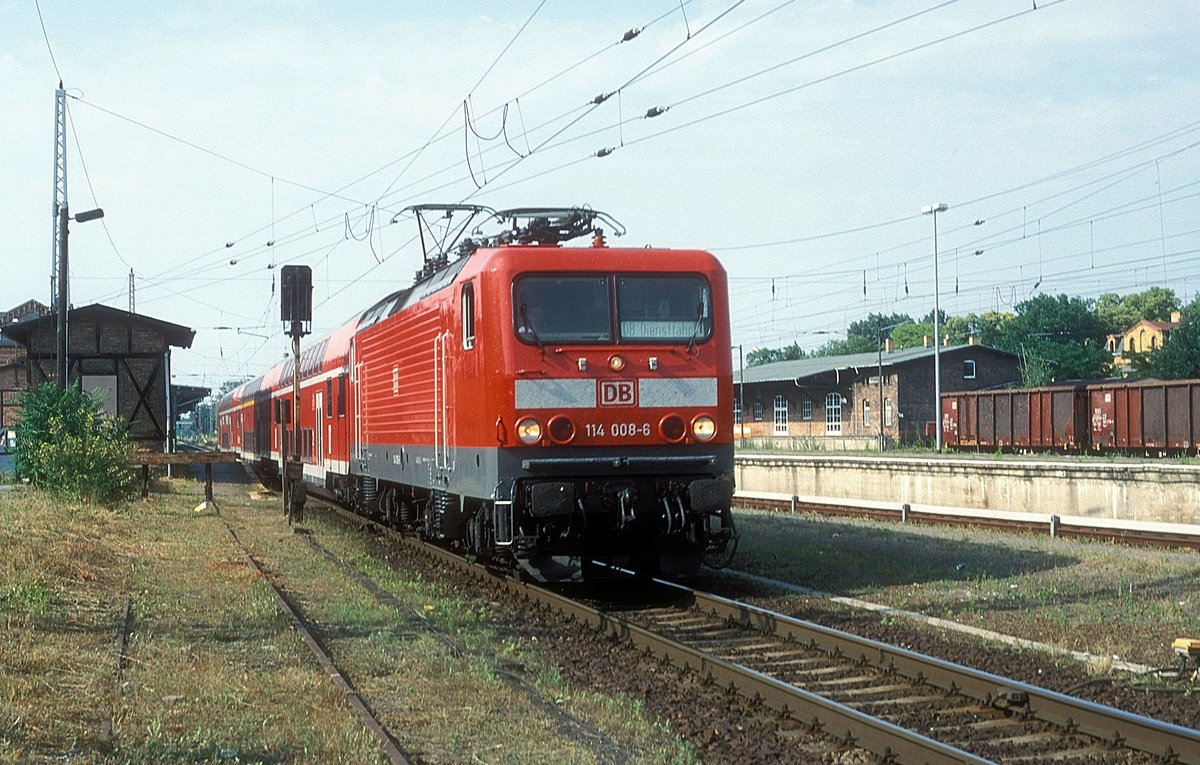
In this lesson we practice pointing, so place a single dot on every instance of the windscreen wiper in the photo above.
(696, 326)
(527, 324)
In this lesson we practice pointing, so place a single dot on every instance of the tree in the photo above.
(66, 445)
(990, 327)
(206, 410)
(1177, 359)
(760, 356)
(869, 328)
(1062, 332)
(1118, 313)
(912, 334)
(847, 346)
(1192, 310)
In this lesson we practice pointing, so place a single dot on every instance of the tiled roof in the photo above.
(792, 370)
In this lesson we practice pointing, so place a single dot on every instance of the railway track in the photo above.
(1130, 535)
(898, 705)
(388, 746)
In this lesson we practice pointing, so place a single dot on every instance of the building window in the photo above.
(887, 412)
(1129, 345)
(781, 416)
(737, 411)
(757, 410)
(866, 413)
(806, 407)
(1153, 342)
(833, 413)
(468, 316)
(968, 369)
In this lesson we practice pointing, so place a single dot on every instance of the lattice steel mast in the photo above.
(60, 185)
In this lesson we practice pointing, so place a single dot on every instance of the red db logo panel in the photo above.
(617, 393)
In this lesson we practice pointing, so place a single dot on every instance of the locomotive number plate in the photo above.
(617, 429)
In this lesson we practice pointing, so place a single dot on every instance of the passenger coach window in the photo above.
(562, 309)
(664, 308)
(468, 316)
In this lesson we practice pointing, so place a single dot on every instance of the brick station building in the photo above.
(124, 354)
(850, 402)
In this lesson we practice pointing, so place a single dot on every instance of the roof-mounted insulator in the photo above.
(602, 97)
(656, 111)
(606, 151)
(631, 34)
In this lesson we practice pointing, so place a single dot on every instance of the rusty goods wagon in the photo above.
(1153, 418)
(1019, 419)
(1149, 417)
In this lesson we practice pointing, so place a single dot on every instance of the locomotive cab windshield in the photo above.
(666, 309)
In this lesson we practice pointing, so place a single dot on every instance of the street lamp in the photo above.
(933, 210)
(63, 217)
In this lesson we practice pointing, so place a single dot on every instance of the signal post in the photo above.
(296, 312)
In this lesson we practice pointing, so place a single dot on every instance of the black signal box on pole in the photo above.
(296, 295)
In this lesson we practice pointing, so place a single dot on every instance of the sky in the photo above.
(799, 142)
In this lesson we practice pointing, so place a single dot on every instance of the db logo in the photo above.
(617, 393)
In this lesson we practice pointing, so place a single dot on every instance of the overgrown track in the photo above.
(899, 705)
(387, 743)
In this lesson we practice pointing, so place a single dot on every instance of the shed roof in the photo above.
(175, 334)
(780, 371)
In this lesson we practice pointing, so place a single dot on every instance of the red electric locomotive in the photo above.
(536, 405)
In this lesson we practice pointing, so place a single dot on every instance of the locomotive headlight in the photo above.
(704, 428)
(529, 430)
(616, 363)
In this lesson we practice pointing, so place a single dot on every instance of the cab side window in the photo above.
(468, 316)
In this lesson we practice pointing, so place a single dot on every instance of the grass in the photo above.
(1099, 598)
(214, 672)
(490, 703)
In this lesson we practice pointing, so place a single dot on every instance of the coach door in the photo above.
(319, 431)
(359, 450)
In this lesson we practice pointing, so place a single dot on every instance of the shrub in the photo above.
(67, 446)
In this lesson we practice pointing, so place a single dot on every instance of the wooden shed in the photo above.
(128, 355)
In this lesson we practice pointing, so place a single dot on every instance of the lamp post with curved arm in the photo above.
(63, 291)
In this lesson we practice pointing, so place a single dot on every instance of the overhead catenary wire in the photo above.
(46, 36)
(317, 228)
(558, 132)
(212, 152)
(411, 155)
(588, 111)
(92, 189)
